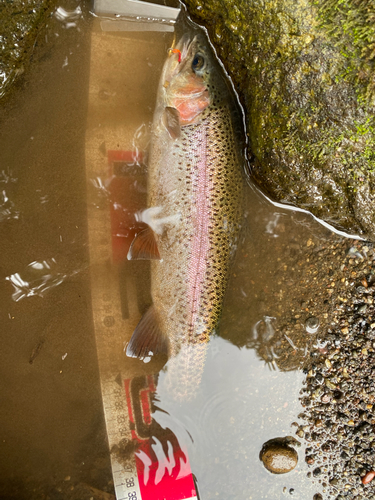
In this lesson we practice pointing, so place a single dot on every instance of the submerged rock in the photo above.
(278, 456)
(20, 21)
(305, 73)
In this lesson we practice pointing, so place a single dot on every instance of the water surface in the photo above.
(87, 96)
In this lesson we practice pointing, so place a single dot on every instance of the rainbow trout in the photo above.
(195, 179)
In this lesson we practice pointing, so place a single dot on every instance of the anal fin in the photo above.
(147, 338)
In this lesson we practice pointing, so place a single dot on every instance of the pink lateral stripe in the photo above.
(200, 216)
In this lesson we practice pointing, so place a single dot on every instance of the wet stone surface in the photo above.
(278, 456)
(339, 395)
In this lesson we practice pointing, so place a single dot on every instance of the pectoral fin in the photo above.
(147, 338)
(144, 246)
(171, 120)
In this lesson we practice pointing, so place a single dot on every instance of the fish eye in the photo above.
(198, 62)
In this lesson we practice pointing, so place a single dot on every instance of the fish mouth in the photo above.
(183, 45)
(179, 56)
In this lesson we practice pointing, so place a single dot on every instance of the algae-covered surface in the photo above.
(305, 74)
(20, 23)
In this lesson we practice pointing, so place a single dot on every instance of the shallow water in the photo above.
(56, 132)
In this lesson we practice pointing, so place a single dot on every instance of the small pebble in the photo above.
(317, 472)
(368, 477)
(278, 457)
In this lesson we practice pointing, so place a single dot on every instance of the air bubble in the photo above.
(312, 324)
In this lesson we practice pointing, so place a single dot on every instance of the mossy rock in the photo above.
(20, 21)
(305, 73)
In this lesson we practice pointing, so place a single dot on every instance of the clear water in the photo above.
(71, 104)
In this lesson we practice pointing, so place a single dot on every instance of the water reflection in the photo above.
(263, 329)
(37, 279)
(239, 405)
(8, 209)
(166, 453)
(68, 17)
(234, 416)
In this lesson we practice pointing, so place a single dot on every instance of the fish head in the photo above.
(185, 82)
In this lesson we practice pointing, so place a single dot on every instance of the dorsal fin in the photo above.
(171, 120)
(144, 246)
(147, 338)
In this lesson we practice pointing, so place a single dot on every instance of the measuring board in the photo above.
(147, 461)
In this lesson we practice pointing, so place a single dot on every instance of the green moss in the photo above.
(350, 24)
